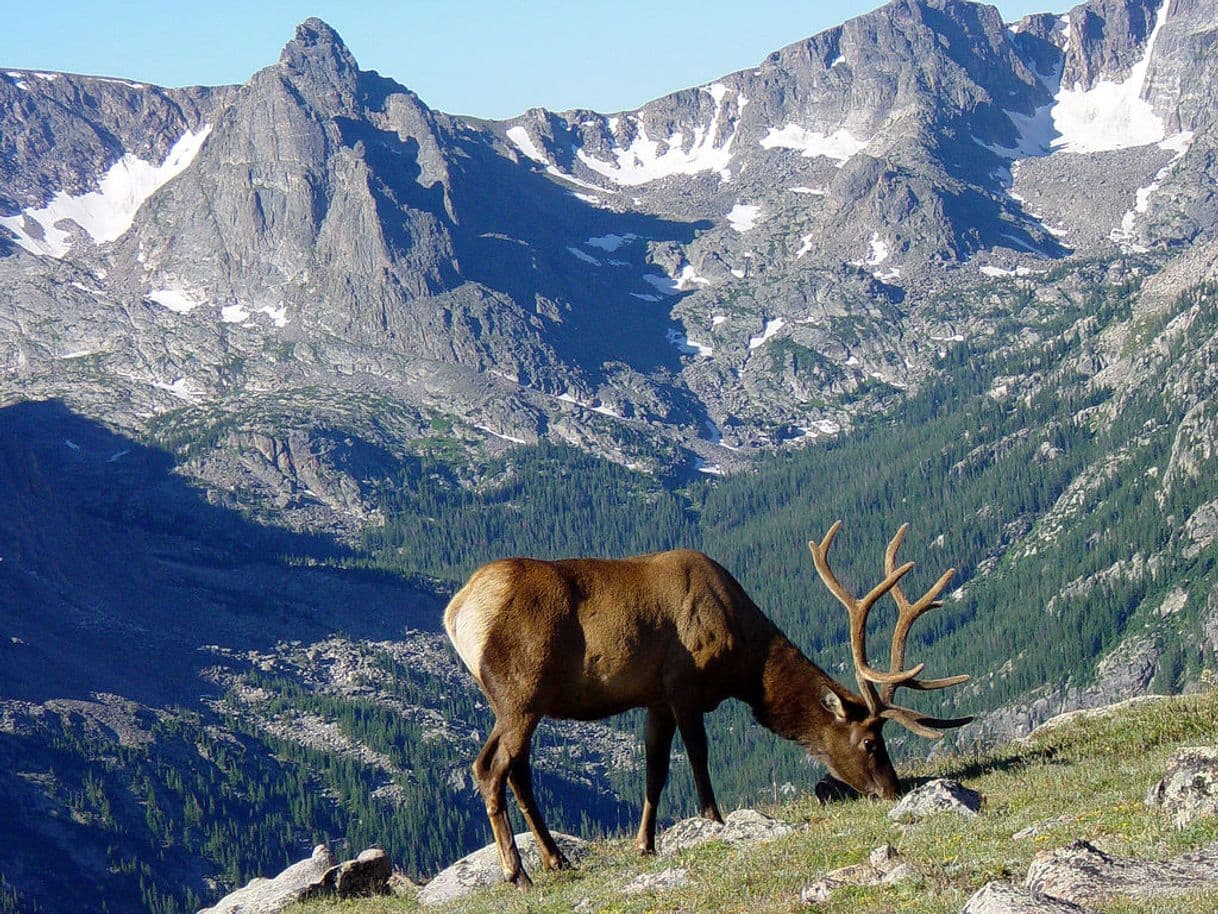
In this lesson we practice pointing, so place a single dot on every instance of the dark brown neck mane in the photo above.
(786, 700)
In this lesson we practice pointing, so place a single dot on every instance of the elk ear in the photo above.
(831, 703)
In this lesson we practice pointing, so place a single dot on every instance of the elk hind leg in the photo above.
(520, 779)
(490, 773)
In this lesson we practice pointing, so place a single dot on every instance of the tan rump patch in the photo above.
(470, 613)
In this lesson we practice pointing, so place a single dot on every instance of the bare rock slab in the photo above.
(1082, 873)
(1189, 788)
(266, 896)
(481, 870)
(1002, 898)
(742, 827)
(939, 795)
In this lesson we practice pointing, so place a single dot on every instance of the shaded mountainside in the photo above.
(282, 362)
(187, 695)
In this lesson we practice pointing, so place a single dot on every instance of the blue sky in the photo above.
(492, 59)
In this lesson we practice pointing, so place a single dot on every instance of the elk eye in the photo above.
(869, 746)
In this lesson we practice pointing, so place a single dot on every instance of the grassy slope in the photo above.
(1096, 771)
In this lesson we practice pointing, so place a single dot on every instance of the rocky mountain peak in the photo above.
(318, 59)
(317, 45)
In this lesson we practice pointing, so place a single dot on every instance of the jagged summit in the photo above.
(318, 47)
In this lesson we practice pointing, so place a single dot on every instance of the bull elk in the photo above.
(672, 632)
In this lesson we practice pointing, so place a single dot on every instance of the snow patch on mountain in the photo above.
(582, 255)
(179, 301)
(771, 328)
(839, 145)
(646, 160)
(1179, 144)
(521, 140)
(611, 242)
(688, 346)
(234, 314)
(104, 214)
(879, 252)
(684, 280)
(744, 216)
(1110, 115)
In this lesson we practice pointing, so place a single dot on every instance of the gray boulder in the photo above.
(742, 827)
(939, 795)
(1001, 898)
(265, 896)
(1082, 873)
(481, 869)
(1189, 788)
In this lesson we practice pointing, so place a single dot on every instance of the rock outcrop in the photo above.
(939, 795)
(1002, 898)
(266, 896)
(742, 827)
(1084, 874)
(481, 869)
(320, 875)
(1189, 788)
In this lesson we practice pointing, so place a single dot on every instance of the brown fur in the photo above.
(672, 632)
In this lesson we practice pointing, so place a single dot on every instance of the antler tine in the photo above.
(858, 610)
(920, 724)
(907, 614)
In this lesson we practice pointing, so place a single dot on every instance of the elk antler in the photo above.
(880, 703)
(907, 614)
(858, 610)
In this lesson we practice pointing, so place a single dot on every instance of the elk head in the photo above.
(852, 745)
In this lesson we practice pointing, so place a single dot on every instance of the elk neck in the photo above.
(787, 695)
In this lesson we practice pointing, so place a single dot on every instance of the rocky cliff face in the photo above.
(742, 264)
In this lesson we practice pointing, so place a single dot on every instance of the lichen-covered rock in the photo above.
(1001, 898)
(883, 867)
(672, 878)
(744, 826)
(1189, 788)
(939, 795)
(481, 869)
(266, 896)
(1082, 873)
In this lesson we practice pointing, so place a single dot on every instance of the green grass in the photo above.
(1096, 772)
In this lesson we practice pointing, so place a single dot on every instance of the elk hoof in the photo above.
(646, 850)
(559, 862)
(522, 881)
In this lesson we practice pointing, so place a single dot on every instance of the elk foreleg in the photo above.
(520, 779)
(491, 769)
(660, 727)
(693, 734)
